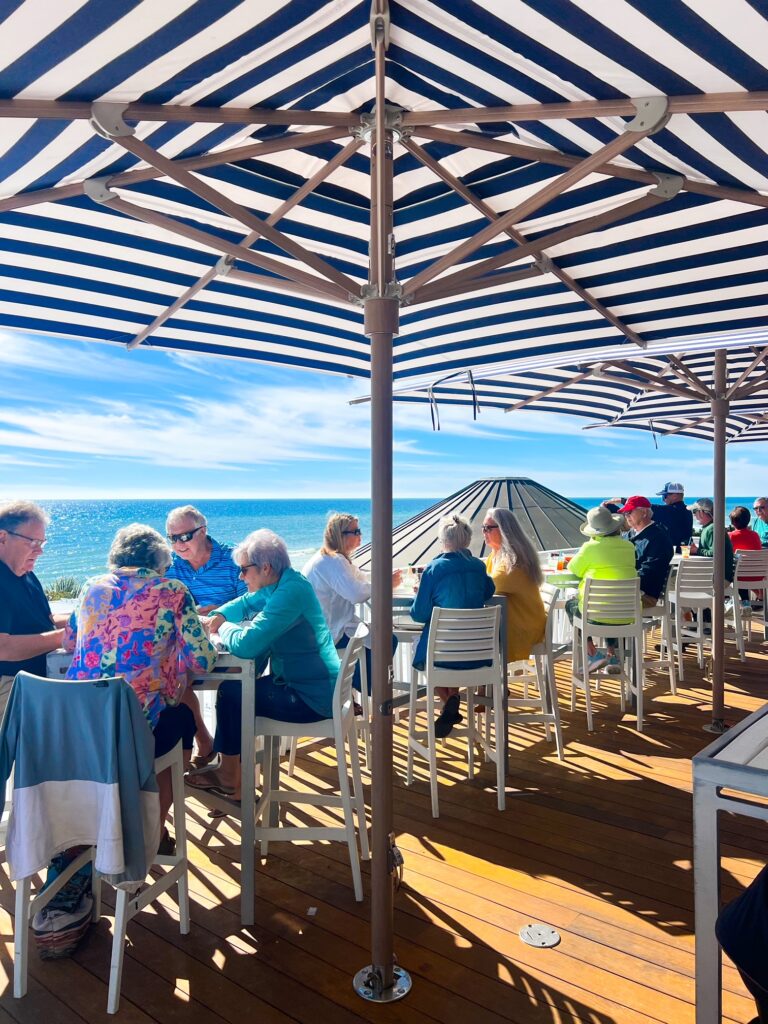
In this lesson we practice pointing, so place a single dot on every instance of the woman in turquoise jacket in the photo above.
(286, 626)
(454, 579)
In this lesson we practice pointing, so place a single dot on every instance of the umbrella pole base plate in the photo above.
(717, 726)
(365, 983)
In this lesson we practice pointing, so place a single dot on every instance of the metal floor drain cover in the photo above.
(539, 935)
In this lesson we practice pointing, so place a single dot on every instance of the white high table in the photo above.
(736, 762)
(227, 667)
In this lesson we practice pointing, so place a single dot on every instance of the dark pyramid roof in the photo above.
(549, 519)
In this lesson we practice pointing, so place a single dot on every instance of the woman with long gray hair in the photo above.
(454, 579)
(513, 565)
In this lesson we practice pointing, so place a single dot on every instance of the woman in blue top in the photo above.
(455, 579)
(286, 626)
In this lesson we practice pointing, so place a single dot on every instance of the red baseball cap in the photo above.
(636, 501)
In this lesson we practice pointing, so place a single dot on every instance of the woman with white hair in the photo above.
(513, 565)
(136, 623)
(454, 579)
(286, 625)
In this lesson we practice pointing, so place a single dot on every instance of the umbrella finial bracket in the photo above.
(668, 185)
(107, 120)
(98, 191)
(652, 114)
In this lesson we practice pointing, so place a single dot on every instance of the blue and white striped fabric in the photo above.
(691, 266)
(583, 390)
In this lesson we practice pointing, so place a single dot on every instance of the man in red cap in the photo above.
(653, 548)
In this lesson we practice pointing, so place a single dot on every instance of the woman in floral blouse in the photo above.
(135, 623)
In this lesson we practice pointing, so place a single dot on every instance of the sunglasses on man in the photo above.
(182, 538)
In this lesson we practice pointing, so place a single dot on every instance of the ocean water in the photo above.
(81, 532)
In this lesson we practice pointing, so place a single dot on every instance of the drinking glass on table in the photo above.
(685, 550)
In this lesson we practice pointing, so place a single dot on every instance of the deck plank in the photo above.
(599, 846)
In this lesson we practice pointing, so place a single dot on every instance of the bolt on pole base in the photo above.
(717, 726)
(367, 984)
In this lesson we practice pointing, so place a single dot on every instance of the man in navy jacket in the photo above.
(653, 548)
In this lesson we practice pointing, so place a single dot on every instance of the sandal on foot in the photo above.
(208, 780)
(204, 761)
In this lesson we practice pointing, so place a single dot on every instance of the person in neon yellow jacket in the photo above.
(605, 556)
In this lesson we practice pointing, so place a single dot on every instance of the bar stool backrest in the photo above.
(342, 693)
(752, 568)
(466, 635)
(695, 574)
(612, 601)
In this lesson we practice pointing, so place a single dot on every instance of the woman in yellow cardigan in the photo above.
(513, 565)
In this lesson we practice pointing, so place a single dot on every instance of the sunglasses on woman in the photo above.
(352, 533)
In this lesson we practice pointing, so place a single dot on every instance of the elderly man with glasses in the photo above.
(203, 565)
(760, 521)
(28, 630)
(653, 548)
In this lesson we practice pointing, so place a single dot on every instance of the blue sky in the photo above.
(81, 420)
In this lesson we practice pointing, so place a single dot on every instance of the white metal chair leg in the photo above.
(118, 950)
(349, 822)
(180, 828)
(499, 697)
(358, 796)
(21, 938)
(471, 733)
(432, 752)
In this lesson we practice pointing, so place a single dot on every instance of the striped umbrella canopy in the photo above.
(668, 395)
(567, 176)
(550, 520)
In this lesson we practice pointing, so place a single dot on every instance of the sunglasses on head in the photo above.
(182, 538)
(352, 533)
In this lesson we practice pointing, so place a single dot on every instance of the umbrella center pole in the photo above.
(382, 981)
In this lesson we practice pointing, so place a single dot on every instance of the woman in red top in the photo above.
(743, 539)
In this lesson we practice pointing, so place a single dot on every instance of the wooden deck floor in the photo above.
(598, 846)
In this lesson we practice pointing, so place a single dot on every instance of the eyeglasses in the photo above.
(182, 538)
(489, 527)
(33, 541)
(244, 568)
(760, 508)
(352, 533)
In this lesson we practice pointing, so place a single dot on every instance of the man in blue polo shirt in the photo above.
(209, 572)
(203, 565)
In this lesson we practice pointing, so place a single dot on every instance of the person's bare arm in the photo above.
(29, 645)
(60, 619)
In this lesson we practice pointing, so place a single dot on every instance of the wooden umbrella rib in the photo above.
(193, 163)
(300, 194)
(688, 377)
(576, 379)
(440, 291)
(650, 381)
(759, 357)
(550, 191)
(81, 111)
(517, 236)
(235, 210)
(473, 140)
(202, 238)
(456, 283)
(703, 103)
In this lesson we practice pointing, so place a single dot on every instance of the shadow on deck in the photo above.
(598, 846)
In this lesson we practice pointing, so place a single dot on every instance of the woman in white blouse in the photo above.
(339, 584)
